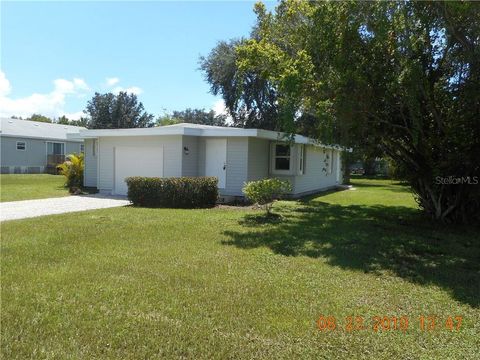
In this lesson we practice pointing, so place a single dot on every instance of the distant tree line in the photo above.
(83, 121)
(123, 110)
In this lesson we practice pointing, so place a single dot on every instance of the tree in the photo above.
(193, 116)
(63, 120)
(165, 120)
(110, 111)
(403, 77)
(40, 118)
(83, 121)
(249, 98)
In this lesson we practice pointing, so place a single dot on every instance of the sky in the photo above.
(56, 55)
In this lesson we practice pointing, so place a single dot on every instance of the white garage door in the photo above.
(136, 161)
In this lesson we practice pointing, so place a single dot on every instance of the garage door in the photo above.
(136, 161)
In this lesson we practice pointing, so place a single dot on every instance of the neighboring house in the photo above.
(233, 155)
(35, 147)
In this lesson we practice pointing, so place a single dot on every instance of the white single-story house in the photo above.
(233, 155)
(35, 147)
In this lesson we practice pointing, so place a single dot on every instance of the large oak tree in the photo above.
(404, 76)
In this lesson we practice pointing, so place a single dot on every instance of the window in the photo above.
(330, 161)
(282, 157)
(82, 148)
(21, 145)
(54, 148)
(301, 159)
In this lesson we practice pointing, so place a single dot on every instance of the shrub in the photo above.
(183, 192)
(72, 169)
(264, 192)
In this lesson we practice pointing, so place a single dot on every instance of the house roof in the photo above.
(37, 130)
(197, 130)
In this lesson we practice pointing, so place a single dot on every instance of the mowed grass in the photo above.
(129, 283)
(14, 187)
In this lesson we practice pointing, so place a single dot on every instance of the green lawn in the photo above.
(131, 283)
(16, 187)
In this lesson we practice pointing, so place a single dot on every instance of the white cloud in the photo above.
(5, 87)
(50, 104)
(132, 89)
(112, 81)
(75, 115)
(111, 84)
(220, 109)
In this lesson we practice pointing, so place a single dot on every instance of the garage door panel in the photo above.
(136, 161)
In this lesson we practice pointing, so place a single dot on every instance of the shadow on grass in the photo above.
(252, 220)
(372, 239)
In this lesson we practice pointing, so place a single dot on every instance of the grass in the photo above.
(16, 187)
(229, 283)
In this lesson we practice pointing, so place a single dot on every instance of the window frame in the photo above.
(82, 148)
(330, 162)
(301, 159)
(64, 147)
(274, 157)
(24, 145)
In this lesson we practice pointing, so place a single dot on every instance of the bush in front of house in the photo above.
(264, 192)
(182, 192)
(72, 169)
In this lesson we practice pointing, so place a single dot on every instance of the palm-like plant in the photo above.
(72, 169)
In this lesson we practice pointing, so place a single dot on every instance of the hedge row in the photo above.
(183, 192)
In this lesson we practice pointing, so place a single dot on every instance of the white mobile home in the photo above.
(233, 155)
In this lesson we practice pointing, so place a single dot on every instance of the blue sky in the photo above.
(55, 55)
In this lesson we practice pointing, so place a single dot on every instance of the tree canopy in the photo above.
(39, 118)
(401, 78)
(110, 111)
(193, 116)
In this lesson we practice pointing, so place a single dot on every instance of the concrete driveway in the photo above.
(32, 208)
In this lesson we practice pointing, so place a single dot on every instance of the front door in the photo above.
(216, 160)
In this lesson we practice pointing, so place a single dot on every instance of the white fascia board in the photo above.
(131, 132)
(209, 132)
(230, 132)
(42, 138)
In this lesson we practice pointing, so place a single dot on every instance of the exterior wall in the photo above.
(33, 159)
(90, 173)
(202, 147)
(258, 159)
(315, 177)
(190, 161)
(237, 165)
(247, 159)
(172, 156)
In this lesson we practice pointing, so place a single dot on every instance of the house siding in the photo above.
(248, 159)
(190, 160)
(315, 178)
(172, 155)
(237, 162)
(258, 159)
(202, 150)
(90, 172)
(237, 165)
(34, 158)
